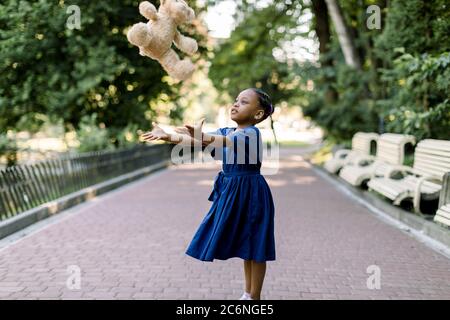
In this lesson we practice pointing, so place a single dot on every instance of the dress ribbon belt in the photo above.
(218, 181)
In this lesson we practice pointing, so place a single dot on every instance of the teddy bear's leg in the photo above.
(185, 44)
(179, 69)
(148, 10)
(139, 35)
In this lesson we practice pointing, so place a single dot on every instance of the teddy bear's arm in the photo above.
(148, 10)
(185, 44)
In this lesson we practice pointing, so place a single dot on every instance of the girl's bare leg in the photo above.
(248, 275)
(258, 273)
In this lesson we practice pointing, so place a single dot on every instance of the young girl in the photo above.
(240, 222)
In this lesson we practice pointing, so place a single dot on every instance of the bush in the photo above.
(8, 149)
(418, 90)
(91, 136)
(127, 137)
(351, 112)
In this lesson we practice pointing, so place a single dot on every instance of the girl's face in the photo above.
(245, 108)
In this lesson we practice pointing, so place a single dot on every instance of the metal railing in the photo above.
(24, 187)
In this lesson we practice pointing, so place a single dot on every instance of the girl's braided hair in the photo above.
(265, 102)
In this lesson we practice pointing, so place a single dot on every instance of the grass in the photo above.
(293, 143)
(323, 154)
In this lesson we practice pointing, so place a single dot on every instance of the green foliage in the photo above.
(98, 84)
(246, 59)
(418, 26)
(352, 112)
(49, 69)
(91, 136)
(127, 136)
(415, 47)
(342, 101)
(419, 103)
(8, 148)
(404, 81)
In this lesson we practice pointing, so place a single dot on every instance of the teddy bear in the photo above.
(155, 38)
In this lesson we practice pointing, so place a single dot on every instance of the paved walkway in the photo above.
(130, 243)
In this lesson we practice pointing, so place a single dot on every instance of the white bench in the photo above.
(443, 213)
(422, 181)
(390, 151)
(361, 144)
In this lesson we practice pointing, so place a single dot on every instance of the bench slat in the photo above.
(442, 219)
(420, 160)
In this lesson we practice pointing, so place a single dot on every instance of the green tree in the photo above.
(418, 26)
(247, 59)
(344, 95)
(50, 69)
(415, 48)
(247, 56)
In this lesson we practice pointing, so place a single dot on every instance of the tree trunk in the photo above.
(322, 24)
(322, 28)
(345, 39)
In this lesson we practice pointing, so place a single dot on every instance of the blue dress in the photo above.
(240, 222)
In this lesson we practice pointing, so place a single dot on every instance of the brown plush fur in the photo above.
(155, 38)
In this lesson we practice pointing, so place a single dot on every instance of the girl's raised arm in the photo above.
(196, 133)
(159, 134)
(215, 140)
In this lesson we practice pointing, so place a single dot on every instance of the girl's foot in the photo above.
(246, 296)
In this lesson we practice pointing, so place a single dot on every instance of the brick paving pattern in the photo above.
(130, 244)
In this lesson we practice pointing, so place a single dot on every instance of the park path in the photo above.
(130, 244)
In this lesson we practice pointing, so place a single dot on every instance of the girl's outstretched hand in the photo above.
(192, 131)
(156, 134)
